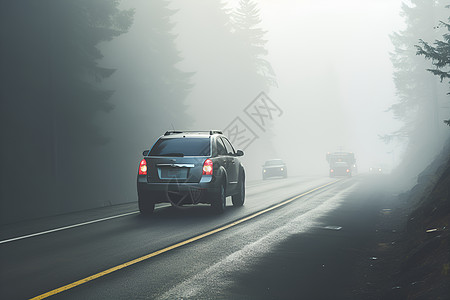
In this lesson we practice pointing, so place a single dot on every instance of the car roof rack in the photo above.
(169, 132)
(211, 132)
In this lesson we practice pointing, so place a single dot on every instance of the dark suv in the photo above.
(191, 167)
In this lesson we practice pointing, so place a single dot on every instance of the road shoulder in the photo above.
(341, 259)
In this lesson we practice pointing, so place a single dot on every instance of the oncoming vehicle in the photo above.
(191, 167)
(373, 170)
(274, 168)
(340, 169)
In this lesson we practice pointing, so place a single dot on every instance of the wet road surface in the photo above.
(306, 247)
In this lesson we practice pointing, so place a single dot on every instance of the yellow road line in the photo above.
(188, 241)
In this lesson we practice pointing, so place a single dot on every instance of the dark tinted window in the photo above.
(220, 147)
(181, 147)
(230, 149)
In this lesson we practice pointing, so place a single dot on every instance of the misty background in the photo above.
(87, 85)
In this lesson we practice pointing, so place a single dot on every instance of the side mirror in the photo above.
(145, 153)
(239, 153)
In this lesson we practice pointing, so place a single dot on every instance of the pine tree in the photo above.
(214, 55)
(169, 85)
(259, 73)
(51, 97)
(246, 22)
(439, 55)
(418, 92)
(152, 94)
(228, 59)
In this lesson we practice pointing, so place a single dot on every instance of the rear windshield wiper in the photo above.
(177, 154)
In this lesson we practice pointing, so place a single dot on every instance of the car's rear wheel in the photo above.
(218, 203)
(238, 199)
(146, 205)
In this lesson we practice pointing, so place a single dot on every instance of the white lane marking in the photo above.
(72, 226)
(84, 223)
(217, 277)
(65, 227)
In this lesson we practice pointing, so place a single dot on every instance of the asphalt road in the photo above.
(304, 247)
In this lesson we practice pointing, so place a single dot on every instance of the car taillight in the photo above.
(208, 167)
(143, 167)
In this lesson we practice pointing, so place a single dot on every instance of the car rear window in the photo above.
(181, 147)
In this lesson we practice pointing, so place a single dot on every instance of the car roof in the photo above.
(190, 134)
(185, 135)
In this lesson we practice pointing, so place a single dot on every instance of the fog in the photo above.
(332, 67)
(334, 76)
(335, 79)
(327, 70)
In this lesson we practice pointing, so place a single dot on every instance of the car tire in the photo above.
(239, 198)
(146, 205)
(218, 203)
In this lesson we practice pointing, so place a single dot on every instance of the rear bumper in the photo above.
(178, 192)
(340, 172)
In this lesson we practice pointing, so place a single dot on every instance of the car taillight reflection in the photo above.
(208, 167)
(143, 167)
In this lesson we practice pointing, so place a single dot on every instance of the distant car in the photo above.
(191, 167)
(274, 168)
(373, 170)
(340, 169)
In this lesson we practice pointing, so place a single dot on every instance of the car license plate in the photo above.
(179, 173)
